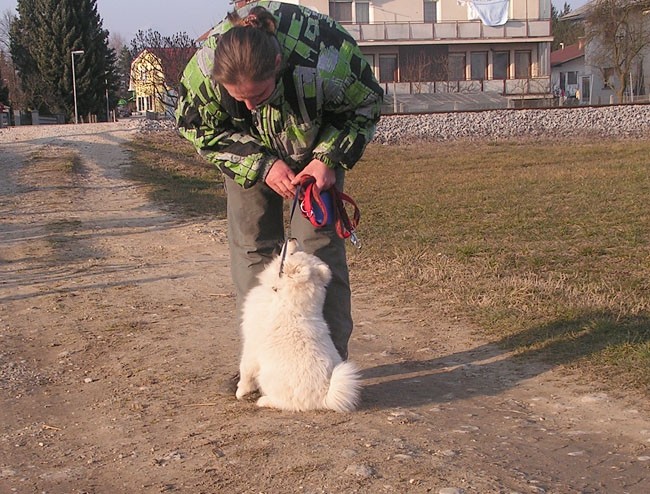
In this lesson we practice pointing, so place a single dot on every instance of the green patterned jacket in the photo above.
(325, 105)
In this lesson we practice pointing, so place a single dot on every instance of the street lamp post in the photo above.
(74, 84)
(108, 117)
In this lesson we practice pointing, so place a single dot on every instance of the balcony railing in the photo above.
(454, 30)
(509, 87)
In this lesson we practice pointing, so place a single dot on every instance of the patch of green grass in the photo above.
(176, 176)
(545, 245)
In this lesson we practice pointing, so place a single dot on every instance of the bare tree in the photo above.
(423, 66)
(617, 32)
(116, 41)
(6, 18)
(417, 71)
(15, 95)
(10, 80)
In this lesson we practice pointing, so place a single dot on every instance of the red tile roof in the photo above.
(571, 52)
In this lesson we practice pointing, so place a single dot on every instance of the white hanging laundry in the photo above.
(490, 12)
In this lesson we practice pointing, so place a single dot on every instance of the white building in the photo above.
(569, 77)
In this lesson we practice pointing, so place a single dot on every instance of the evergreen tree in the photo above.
(21, 33)
(564, 32)
(4, 90)
(42, 40)
(124, 61)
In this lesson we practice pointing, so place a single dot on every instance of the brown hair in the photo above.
(248, 50)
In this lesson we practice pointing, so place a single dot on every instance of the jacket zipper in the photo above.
(265, 124)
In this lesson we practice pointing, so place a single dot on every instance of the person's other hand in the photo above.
(325, 176)
(280, 179)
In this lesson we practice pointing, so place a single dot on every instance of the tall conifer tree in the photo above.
(42, 40)
(4, 90)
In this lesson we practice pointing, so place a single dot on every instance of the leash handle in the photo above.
(345, 227)
(312, 203)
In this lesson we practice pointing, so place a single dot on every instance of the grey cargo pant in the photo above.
(256, 234)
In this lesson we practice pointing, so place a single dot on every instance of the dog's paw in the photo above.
(241, 392)
(264, 402)
(245, 389)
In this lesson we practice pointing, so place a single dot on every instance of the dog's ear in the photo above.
(324, 273)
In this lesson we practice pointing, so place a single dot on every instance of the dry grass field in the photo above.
(543, 245)
(546, 246)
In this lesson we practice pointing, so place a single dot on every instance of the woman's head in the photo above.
(249, 51)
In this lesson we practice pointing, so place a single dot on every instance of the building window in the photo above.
(500, 64)
(430, 11)
(341, 10)
(572, 77)
(456, 67)
(387, 68)
(370, 58)
(478, 64)
(145, 103)
(522, 65)
(608, 77)
(362, 12)
(585, 94)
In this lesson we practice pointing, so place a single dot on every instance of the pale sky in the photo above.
(126, 17)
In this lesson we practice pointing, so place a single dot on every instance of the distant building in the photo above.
(451, 46)
(597, 82)
(569, 75)
(155, 73)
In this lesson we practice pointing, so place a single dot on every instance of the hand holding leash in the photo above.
(324, 176)
(315, 209)
(321, 212)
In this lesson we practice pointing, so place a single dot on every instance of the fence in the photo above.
(468, 30)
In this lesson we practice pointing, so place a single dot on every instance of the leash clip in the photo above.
(355, 240)
(306, 213)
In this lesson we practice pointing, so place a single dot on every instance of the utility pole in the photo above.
(74, 84)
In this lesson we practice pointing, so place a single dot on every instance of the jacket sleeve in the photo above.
(352, 107)
(202, 120)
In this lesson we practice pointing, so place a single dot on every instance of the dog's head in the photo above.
(302, 268)
(301, 272)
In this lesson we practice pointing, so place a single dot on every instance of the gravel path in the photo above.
(117, 323)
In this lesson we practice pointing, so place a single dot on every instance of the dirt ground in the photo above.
(117, 322)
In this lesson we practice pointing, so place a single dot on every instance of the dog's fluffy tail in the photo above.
(345, 386)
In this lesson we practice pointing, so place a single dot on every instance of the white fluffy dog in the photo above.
(288, 354)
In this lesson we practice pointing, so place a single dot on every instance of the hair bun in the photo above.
(251, 20)
(258, 18)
